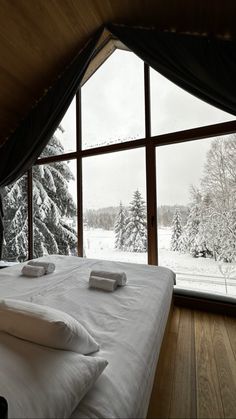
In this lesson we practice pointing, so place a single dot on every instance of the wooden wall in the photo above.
(38, 38)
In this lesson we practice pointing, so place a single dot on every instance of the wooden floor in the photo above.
(196, 373)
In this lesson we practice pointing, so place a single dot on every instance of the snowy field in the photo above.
(192, 273)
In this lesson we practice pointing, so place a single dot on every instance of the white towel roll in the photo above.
(102, 283)
(33, 271)
(48, 266)
(118, 276)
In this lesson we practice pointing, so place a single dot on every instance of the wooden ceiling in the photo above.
(39, 37)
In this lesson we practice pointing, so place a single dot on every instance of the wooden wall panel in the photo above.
(38, 38)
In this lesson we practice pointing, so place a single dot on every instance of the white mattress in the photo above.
(128, 324)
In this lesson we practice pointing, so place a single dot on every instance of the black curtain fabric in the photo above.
(203, 66)
(21, 150)
(3, 408)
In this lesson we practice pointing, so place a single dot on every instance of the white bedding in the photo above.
(41, 382)
(128, 324)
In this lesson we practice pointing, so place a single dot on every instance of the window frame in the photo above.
(150, 143)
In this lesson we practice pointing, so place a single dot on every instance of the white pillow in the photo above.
(40, 382)
(45, 326)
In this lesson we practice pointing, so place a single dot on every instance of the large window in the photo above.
(115, 225)
(197, 213)
(54, 209)
(174, 109)
(121, 195)
(113, 102)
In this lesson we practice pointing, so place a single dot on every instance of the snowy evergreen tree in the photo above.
(191, 231)
(193, 240)
(120, 228)
(52, 205)
(15, 219)
(136, 228)
(176, 238)
(211, 226)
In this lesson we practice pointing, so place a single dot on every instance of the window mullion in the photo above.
(30, 213)
(150, 176)
(79, 174)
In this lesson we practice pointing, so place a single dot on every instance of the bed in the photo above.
(129, 325)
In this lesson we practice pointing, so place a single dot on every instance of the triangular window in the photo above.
(174, 109)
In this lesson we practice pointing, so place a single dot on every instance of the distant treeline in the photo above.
(105, 217)
(165, 214)
(101, 218)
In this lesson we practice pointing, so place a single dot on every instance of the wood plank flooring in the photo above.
(196, 373)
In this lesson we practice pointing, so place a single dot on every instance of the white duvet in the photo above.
(128, 324)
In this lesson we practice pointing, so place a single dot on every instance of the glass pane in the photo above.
(173, 109)
(197, 213)
(64, 138)
(114, 209)
(54, 205)
(15, 247)
(113, 102)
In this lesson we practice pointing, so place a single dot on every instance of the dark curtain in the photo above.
(21, 150)
(3, 408)
(203, 66)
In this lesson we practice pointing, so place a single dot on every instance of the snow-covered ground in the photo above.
(192, 273)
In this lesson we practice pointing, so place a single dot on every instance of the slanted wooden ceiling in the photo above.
(39, 37)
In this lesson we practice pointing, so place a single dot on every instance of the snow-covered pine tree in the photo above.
(194, 231)
(176, 238)
(192, 239)
(120, 227)
(52, 205)
(15, 219)
(136, 228)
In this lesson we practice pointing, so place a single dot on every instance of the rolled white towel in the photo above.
(32, 271)
(48, 266)
(118, 276)
(102, 283)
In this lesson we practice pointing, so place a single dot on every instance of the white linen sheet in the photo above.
(128, 324)
(41, 382)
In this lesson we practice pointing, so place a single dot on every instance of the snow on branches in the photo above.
(177, 229)
(210, 230)
(52, 206)
(131, 226)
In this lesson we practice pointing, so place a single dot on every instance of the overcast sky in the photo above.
(113, 110)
